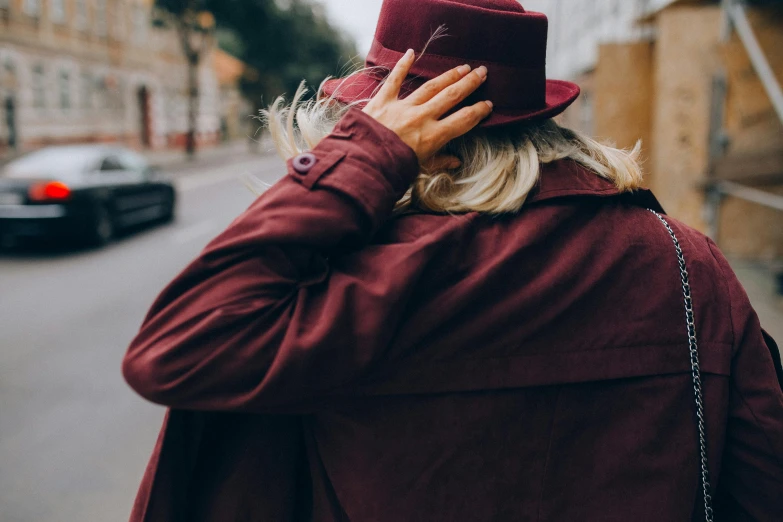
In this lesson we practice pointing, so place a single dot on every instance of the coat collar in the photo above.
(566, 178)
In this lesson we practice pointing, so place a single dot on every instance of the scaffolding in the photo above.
(745, 177)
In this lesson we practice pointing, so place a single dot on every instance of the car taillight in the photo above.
(52, 190)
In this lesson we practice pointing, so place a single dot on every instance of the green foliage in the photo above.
(229, 41)
(283, 45)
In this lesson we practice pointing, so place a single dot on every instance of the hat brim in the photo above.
(363, 86)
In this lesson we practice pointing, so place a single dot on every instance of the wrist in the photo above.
(380, 149)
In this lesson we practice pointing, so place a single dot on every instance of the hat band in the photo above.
(508, 87)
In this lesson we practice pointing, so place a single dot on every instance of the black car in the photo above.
(84, 193)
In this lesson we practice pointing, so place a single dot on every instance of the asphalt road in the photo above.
(74, 439)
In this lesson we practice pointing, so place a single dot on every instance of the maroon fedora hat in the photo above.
(498, 34)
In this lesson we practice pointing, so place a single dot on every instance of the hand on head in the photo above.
(416, 119)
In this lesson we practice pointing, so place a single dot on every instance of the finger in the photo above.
(393, 83)
(454, 94)
(442, 162)
(465, 120)
(433, 87)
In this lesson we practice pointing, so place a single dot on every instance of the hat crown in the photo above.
(495, 5)
(498, 31)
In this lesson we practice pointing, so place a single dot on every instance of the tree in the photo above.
(195, 28)
(283, 44)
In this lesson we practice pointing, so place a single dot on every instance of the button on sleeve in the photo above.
(303, 163)
(309, 167)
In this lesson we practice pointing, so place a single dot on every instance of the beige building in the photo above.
(658, 82)
(95, 70)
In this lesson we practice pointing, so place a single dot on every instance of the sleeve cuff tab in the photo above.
(322, 166)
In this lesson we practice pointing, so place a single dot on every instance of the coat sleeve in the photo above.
(751, 481)
(261, 321)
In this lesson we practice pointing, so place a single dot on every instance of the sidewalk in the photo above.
(175, 161)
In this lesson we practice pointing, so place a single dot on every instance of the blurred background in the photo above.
(127, 128)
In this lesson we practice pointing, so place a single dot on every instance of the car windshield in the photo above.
(59, 162)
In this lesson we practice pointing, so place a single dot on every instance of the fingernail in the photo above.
(482, 72)
(463, 69)
(409, 53)
(491, 105)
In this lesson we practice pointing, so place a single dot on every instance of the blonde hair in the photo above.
(499, 168)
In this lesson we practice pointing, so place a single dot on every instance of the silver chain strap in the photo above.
(695, 369)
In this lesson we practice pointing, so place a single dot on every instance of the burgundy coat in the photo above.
(327, 360)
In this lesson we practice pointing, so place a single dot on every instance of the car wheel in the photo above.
(102, 227)
(169, 213)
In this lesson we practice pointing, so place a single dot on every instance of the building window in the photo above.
(65, 90)
(39, 86)
(8, 65)
(7, 75)
(87, 87)
(100, 17)
(80, 15)
(101, 92)
(118, 95)
(32, 7)
(119, 23)
(57, 11)
(141, 22)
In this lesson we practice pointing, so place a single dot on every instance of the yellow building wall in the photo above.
(746, 229)
(686, 59)
(661, 93)
(688, 53)
(624, 98)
